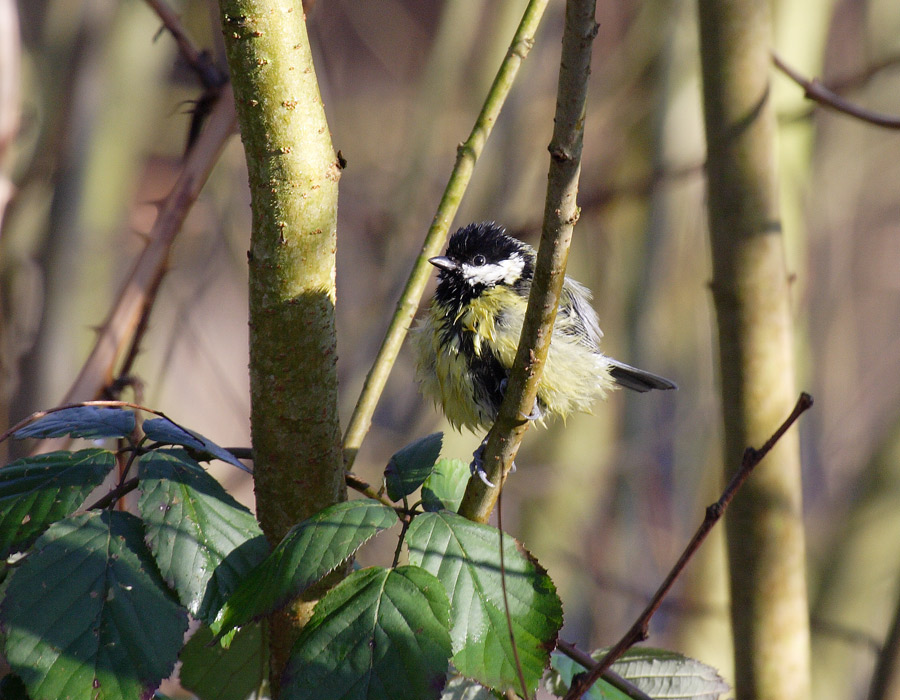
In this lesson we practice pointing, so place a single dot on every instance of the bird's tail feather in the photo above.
(637, 379)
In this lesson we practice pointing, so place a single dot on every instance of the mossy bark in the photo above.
(752, 298)
(293, 173)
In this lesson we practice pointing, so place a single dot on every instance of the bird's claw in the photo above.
(477, 465)
(536, 413)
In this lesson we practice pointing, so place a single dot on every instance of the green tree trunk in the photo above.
(293, 174)
(752, 298)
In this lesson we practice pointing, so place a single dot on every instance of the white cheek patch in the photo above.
(506, 271)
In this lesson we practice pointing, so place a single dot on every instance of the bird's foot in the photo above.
(537, 412)
(477, 465)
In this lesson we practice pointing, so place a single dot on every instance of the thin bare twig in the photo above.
(198, 60)
(639, 630)
(114, 495)
(610, 676)
(856, 80)
(815, 90)
(509, 622)
(118, 329)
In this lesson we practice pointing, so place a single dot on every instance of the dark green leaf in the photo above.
(168, 433)
(89, 422)
(86, 615)
(308, 552)
(203, 540)
(465, 556)
(657, 672)
(214, 673)
(38, 491)
(410, 466)
(445, 486)
(385, 632)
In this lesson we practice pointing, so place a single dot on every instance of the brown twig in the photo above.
(856, 80)
(198, 60)
(610, 676)
(114, 495)
(815, 90)
(119, 328)
(639, 630)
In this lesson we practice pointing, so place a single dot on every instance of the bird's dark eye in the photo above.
(479, 260)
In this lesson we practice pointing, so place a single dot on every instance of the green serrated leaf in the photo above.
(465, 556)
(667, 674)
(38, 491)
(89, 422)
(307, 553)
(462, 688)
(214, 673)
(657, 672)
(86, 615)
(446, 485)
(410, 466)
(386, 635)
(168, 433)
(204, 541)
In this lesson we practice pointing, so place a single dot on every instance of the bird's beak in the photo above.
(444, 263)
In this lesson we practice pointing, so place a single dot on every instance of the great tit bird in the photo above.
(467, 341)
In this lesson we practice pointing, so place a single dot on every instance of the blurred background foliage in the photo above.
(608, 503)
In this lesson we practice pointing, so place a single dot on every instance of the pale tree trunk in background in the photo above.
(857, 585)
(10, 108)
(752, 298)
(294, 176)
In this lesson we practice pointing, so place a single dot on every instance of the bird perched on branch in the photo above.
(467, 341)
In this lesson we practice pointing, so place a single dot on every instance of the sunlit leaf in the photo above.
(445, 486)
(462, 688)
(657, 672)
(465, 556)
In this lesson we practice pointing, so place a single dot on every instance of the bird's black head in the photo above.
(481, 256)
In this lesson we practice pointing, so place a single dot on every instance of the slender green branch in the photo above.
(466, 157)
(560, 215)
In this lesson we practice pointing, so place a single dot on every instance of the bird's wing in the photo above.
(577, 315)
